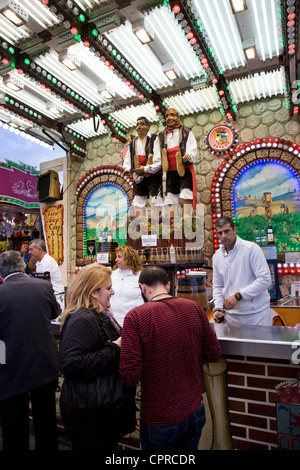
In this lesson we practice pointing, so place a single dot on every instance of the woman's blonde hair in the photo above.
(131, 258)
(89, 279)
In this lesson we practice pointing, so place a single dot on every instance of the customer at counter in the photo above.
(241, 278)
(90, 348)
(125, 282)
(164, 344)
(45, 263)
(30, 371)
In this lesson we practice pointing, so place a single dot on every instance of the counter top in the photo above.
(277, 342)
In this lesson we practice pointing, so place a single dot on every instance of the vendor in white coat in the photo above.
(45, 263)
(241, 278)
(125, 282)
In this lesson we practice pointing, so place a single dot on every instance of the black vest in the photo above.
(148, 147)
(183, 137)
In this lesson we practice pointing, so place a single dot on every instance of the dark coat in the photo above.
(86, 352)
(27, 306)
(84, 348)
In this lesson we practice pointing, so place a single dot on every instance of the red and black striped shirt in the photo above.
(164, 345)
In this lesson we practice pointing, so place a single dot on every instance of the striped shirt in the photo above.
(164, 346)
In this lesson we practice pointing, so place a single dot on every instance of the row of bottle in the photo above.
(169, 255)
(105, 236)
(262, 237)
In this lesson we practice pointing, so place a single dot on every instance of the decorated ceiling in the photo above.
(74, 69)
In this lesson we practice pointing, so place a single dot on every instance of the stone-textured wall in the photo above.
(256, 119)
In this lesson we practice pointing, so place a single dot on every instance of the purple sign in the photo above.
(18, 184)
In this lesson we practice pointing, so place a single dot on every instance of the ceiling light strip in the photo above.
(204, 99)
(61, 88)
(235, 89)
(161, 20)
(257, 22)
(189, 62)
(198, 98)
(75, 81)
(210, 35)
(166, 39)
(24, 97)
(43, 11)
(178, 103)
(14, 34)
(46, 96)
(103, 73)
(233, 27)
(210, 91)
(139, 56)
(194, 106)
(275, 28)
(82, 6)
(219, 31)
(32, 15)
(266, 25)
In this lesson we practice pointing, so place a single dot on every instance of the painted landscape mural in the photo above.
(105, 214)
(268, 193)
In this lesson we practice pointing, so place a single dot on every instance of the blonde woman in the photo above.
(90, 347)
(125, 282)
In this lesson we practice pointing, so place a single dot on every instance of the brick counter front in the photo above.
(252, 400)
(258, 358)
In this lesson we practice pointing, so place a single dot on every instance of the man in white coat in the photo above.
(241, 278)
(45, 263)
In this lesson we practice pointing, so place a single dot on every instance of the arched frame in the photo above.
(86, 185)
(266, 149)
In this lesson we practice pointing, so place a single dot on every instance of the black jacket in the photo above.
(26, 308)
(85, 351)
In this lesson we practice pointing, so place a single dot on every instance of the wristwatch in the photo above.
(238, 296)
(216, 309)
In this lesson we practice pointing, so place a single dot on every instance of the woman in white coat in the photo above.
(125, 282)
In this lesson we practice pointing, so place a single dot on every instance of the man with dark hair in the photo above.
(46, 263)
(31, 369)
(142, 159)
(164, 345)
(241, 278)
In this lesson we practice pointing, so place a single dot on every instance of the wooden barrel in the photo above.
(193, 287)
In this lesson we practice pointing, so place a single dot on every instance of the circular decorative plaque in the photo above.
(221, 138)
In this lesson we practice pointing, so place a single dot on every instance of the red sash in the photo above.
(173, 167)
(142, 160)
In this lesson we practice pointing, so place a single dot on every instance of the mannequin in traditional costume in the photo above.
(178, 153)
(142, 158)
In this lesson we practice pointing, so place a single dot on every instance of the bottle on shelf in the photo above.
(109, 236)
(172, 254)
(102, 237)
(270, 236)
(257, 238)
(263, 237)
